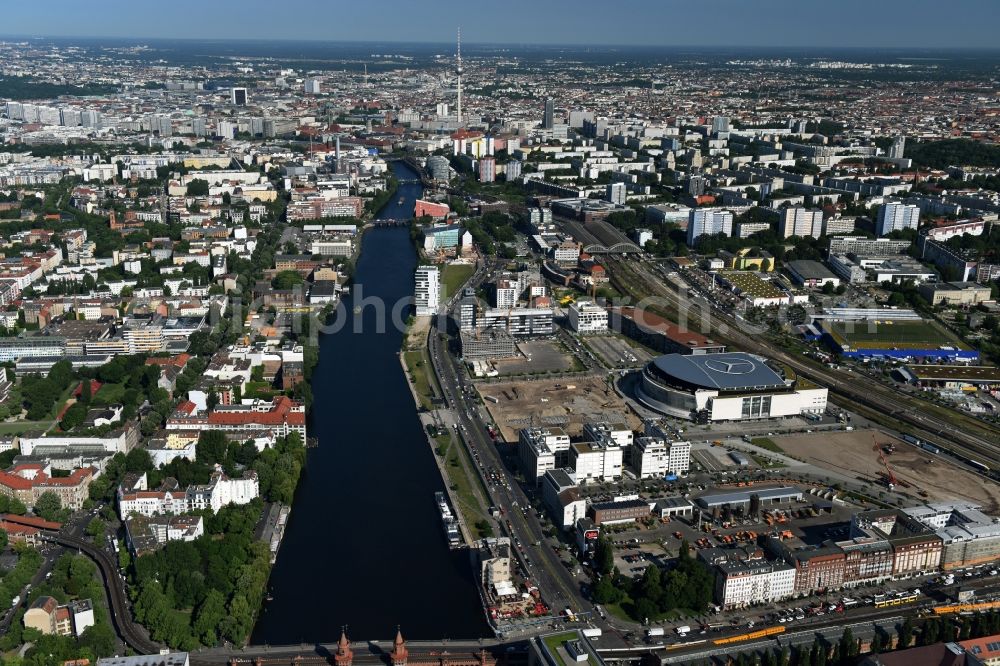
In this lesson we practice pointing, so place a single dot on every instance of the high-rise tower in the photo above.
(458, 71)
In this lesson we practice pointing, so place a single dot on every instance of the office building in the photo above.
(427, 290)
(548, 120)
(897, 216)
(311, 86)
(238, 96)
(562, 497)
(707, 222)
(596, 461)
(523, 322)
(655, 457)
(541, 450)
(874, 247)
(969, 536)
(587, 317)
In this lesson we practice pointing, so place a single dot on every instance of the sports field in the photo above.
(890, 334)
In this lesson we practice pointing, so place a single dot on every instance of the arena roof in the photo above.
(727, 371)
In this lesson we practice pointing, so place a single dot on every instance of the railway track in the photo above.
(130, 633)
(966, 438)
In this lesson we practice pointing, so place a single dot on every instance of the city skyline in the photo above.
(733, 23)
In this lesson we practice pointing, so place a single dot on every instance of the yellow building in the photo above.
(748, 258)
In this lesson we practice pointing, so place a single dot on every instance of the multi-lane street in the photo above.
(560, 587)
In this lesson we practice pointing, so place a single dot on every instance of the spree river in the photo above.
(364, 546)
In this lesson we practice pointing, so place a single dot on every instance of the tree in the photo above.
(86, 391)
(209, 616)
(48, 505)
(850, 646)
(61, 374)
(74, 416)
(212, 400)
(197, 188)
(95, 529)
(100, 639)
(211, 447)
(605, 591)
(287, 280)
(905, 634)
(3, 540)
(604, 555)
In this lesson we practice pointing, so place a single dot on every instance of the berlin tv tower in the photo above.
(458, 71)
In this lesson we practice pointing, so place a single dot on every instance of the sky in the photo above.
(797, 23)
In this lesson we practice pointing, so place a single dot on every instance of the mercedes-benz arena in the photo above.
(732, 386)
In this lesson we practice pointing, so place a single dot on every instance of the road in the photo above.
(559, 588)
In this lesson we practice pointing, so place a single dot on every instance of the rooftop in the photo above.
(725, 371)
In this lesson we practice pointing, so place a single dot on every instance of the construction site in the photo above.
(565, 402)
(877, 457)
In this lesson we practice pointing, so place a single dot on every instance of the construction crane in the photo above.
(890, 478)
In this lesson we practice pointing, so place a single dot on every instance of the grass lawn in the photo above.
(766, 443)
(554, 642)
(109, 394)
(259, 390)
(461, 479)
(885, 335)
(416, 363)
(454, 276)
(621, 609)
(21, 427)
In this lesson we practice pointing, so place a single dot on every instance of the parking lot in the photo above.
(536, 357)
(615, 352)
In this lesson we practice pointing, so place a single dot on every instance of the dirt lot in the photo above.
(852, 453)
(551, 403)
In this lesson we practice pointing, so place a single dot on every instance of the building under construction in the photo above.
(487, 344)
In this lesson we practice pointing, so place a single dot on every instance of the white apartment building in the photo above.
(587, 317)
(895, 215)
(708, 221)
(427, 290)
(219, 492)
(802, 222)
(615, 193)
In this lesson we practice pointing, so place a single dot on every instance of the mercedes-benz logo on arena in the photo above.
(731, 367)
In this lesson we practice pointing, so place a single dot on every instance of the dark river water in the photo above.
(364, 545)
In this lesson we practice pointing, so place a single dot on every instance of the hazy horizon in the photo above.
(886, 24)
